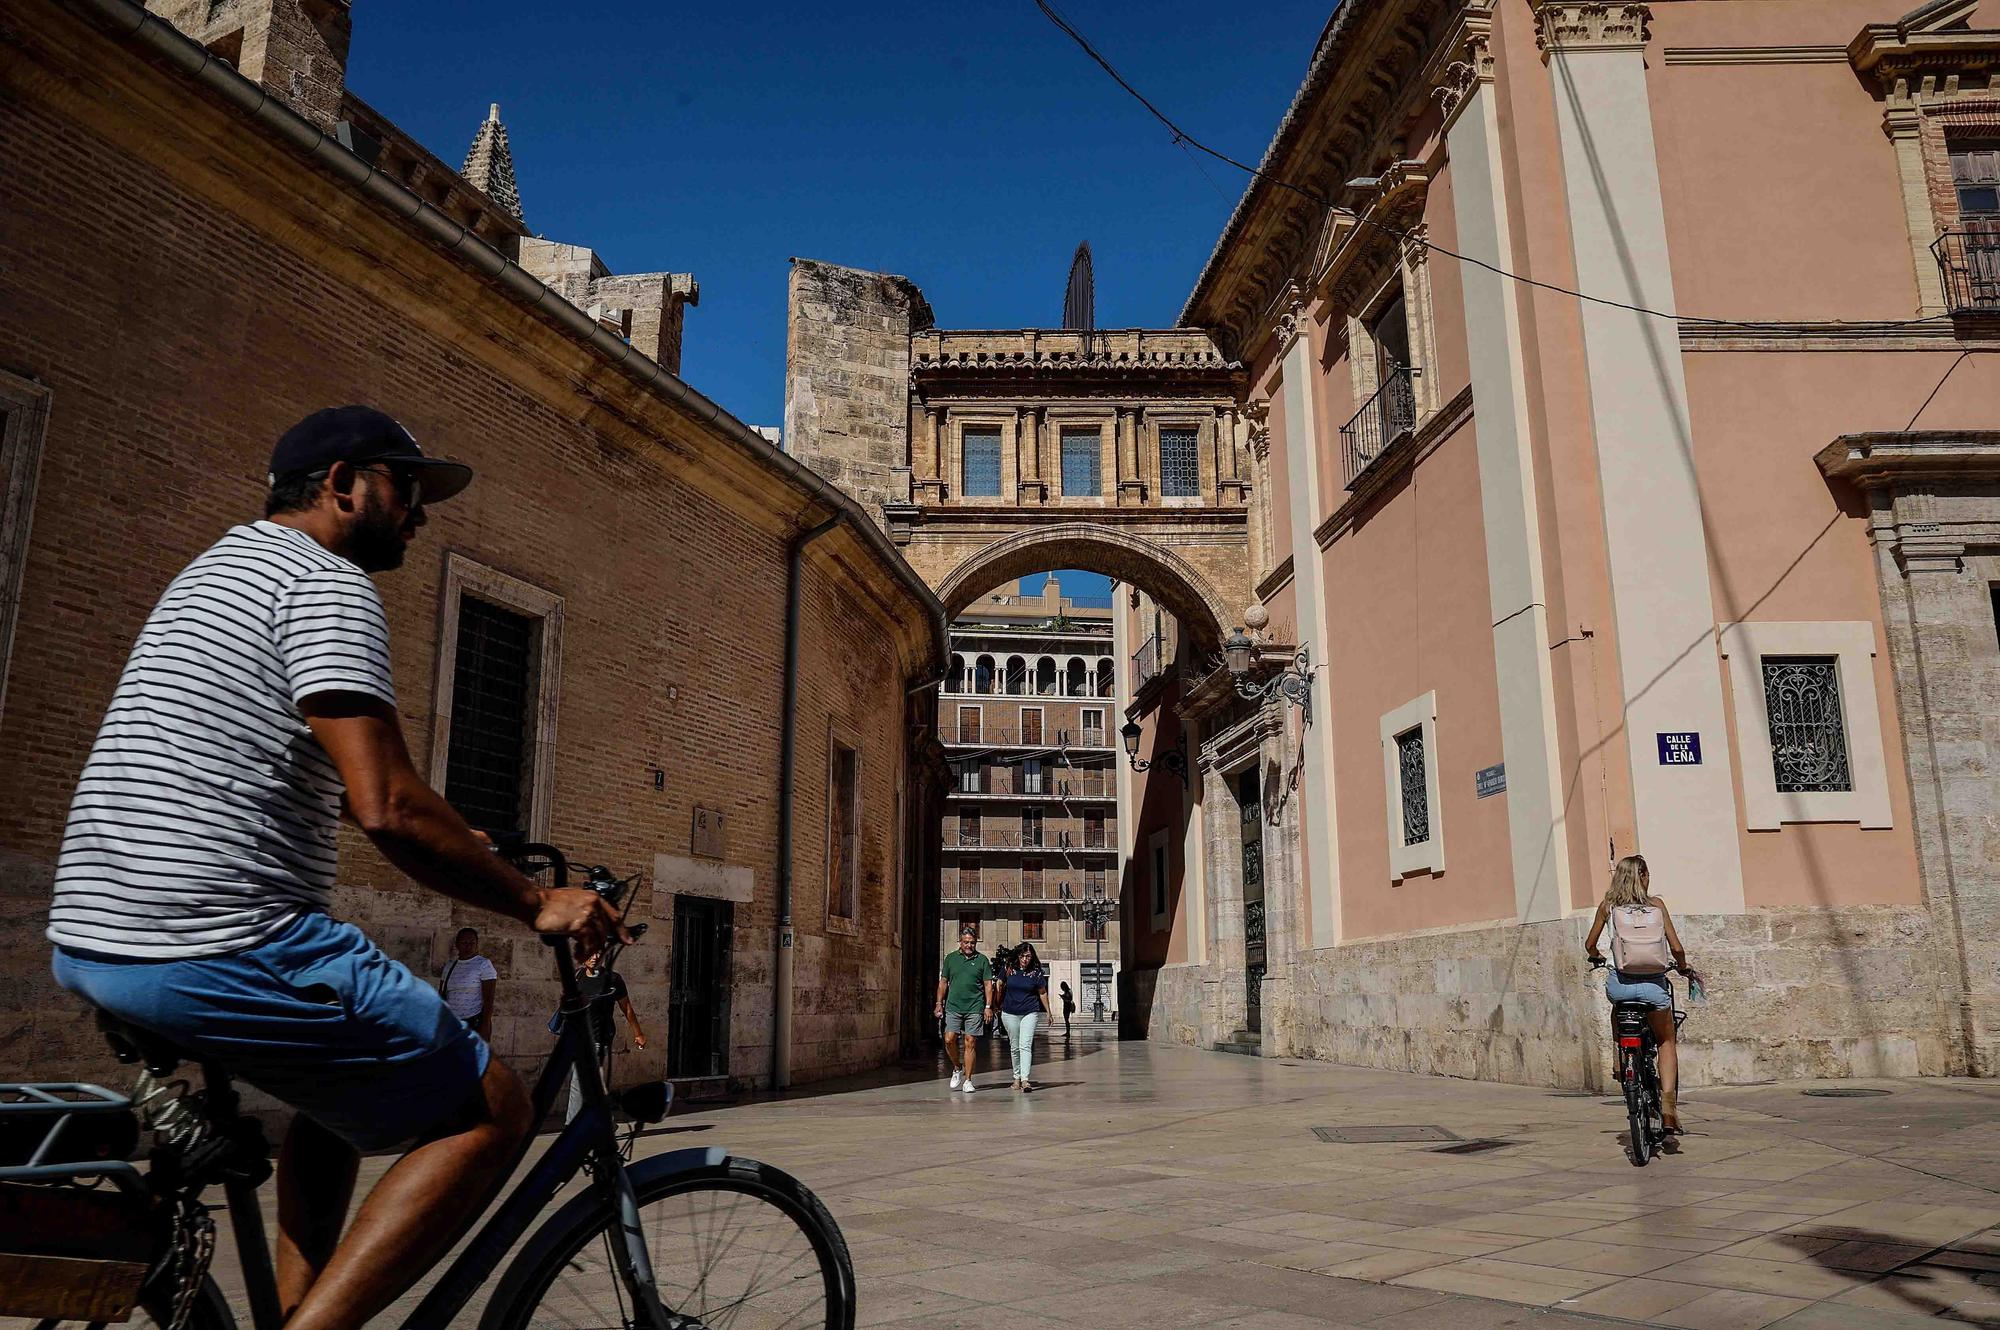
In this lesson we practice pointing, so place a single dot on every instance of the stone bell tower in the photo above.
(295, 49)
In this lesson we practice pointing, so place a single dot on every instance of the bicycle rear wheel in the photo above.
(736, 1245)
(1636, 1113)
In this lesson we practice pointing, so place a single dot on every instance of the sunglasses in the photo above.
(409, 486)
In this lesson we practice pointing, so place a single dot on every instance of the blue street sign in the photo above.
(1680, 748)
(1489, 781)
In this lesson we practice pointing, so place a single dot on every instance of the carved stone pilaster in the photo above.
(1292, 322)
(1587, 25)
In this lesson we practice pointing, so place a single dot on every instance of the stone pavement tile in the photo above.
(1636, 1233)
(1964, 1260)
(899, 1256)
(1987, 1242)
(1740, 1221)
(1154, 1262)
(1450, 1241)
(1124, 1223)
(1270, 1320)
(1387, 1263)
(1265, 1287)
(1526, 1225)
(1796, 1199)
(1782, 1247)
(1932, 1289)
(884, 1301)
(1637, 1299)
(1873, 1258)
(1318, 1256)
(1834, 1316)
(1416, 1214)
(1792, 1279)
(1483, 1277)
(1731, 1309)
(1898, 1221)
(997, 1281)
(1595, 1257)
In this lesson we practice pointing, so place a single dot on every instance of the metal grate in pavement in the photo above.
(1845, 1092)
(1383, 1135)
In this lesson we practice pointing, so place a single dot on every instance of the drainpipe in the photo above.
(788, 749)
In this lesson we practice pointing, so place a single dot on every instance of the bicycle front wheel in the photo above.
(736, 1245)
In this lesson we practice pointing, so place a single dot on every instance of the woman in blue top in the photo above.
(1024, 1003)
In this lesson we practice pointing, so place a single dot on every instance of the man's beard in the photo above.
(376, 541)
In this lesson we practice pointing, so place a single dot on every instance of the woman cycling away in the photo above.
(1642, 933)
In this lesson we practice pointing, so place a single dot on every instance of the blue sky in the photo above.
(966, 147)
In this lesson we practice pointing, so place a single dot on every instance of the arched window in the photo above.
(1017, 676)
(1104, 677)
(1078, 680)
(982, 675)
(1045, 677)
(954, 679)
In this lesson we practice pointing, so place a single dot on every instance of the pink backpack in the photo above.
(1639, 940)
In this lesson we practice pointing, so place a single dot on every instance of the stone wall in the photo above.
(240, 307)
(847, 377)
(1791, 993)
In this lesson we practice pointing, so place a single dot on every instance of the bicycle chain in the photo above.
(194, 1250)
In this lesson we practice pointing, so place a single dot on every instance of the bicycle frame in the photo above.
(590, 1138)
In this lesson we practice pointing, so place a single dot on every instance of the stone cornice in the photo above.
(1889, 460)
(1590, 25)
(1276, 580)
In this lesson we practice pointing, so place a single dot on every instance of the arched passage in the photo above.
(1160, 572)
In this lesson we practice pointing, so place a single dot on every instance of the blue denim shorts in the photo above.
(316, 1017)
(1651, 988)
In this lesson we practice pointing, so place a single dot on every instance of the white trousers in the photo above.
(1021, 1040)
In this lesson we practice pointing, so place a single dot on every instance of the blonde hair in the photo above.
(1631, 883)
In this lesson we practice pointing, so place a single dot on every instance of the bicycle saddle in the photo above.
(133, 1043)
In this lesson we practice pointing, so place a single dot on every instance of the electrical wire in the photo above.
(1185, 140)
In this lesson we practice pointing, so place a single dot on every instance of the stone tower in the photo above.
(847, 377)
(489, 165)
(295, 49)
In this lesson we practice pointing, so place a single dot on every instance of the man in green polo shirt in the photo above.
(965, 1002)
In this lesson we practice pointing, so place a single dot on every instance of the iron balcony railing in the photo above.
(1145, 662)
(1382, 420)
(1969, 265)
(967, 733)
(1014, 838)
(991, 782)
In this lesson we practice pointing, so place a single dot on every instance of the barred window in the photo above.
(1081, 449)
(968, 886)
(1031, 879)
(1179, 476)
(486, 764)
(844, 890)
(1031, 925)
(1031, 826)
(1414, 789)
(968, 919)
(982, 462)
(1808, 730)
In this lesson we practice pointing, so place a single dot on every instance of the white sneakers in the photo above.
(967, 1087)
(957, 1078)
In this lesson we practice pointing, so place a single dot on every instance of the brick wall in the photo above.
(187, 295)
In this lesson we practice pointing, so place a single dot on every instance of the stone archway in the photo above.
(1177, 584)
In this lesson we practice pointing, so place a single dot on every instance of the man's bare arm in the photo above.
(418, 832)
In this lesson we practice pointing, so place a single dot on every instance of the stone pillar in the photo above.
(1229, 484)
(1032, 488)
(931, 486)
(1539, 857)
(1903, 123)
(1131, 488)
(1655, 541)
(1934, 518)
(1257, 413)
(1222, 854)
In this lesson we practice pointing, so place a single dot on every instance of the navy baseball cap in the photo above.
(359, 435)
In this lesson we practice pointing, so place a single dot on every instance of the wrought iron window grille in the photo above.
(1414, 789)
(982, 463)
(1180, 476)
(487, 755)
(1969, 268)
(1808, 728)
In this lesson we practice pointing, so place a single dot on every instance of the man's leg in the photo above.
(315, 1184)
(951, 1050)
(415, 1210)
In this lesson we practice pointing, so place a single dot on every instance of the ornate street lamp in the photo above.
(1293, 684)
(1174, 759)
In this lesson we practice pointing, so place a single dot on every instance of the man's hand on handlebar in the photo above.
(582, 914)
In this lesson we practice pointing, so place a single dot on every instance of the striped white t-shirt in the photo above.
(204, 822)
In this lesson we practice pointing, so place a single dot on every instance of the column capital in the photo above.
(1292, 322)
(1591, 25)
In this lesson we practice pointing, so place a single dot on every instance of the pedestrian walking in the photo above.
(603, 992)
(964, 1004)
(1069, 1006)
(1023, 1003)
(1642, 940)
(468, 984)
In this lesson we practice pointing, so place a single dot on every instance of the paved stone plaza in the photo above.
(1147, 1186)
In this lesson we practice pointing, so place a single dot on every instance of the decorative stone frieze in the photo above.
(1566, 25)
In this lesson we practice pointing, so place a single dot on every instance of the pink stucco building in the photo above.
(1700, 565)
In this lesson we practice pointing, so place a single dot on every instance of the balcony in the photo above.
(1969, 266)
(973, 734)
(1382, 420)
(1012, 838)
(1146, 662)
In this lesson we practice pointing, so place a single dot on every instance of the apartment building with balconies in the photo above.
(1028, 714)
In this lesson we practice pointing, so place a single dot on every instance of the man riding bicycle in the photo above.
(193, 884)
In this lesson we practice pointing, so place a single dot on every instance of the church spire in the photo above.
(489, 165)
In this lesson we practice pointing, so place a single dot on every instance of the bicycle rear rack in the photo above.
(84, 1131)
